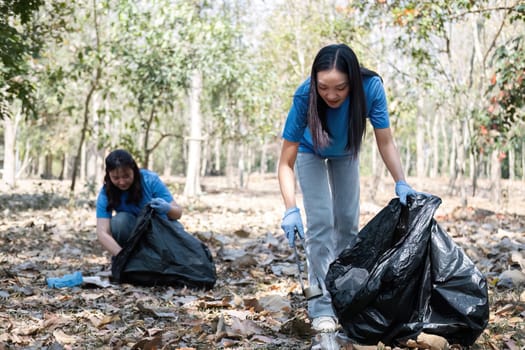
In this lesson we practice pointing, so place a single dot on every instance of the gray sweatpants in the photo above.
(330, 189)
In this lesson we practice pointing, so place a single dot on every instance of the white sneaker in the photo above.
(324, 324)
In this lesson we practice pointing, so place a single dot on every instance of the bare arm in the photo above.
(286, 173)
(175, 212)
(105, 238)
(389, 153)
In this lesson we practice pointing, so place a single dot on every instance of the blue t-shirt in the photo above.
(296, 128)
(152, 187)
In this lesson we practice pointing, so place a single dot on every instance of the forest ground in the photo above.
(256, 303)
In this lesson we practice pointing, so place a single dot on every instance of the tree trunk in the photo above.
(250, 156)
(420, 143)
(9, 152)
(434, 169)
(67, 165)
(462, 160)
(512, 164)
(472, 164)
(166, 164)
(25, 163)
(85, 123)
(264, 158)
(146, 151)
(91, 162)
(240, 165)
(495, 176)
(453, 161)
(408, 159)
(48, 166)
(83, 131)
(91, 150)
(62, 167)
(217, 156)
(230, 174)
(476, 165)
(41, 166)
(205, 157)
(523, 161)
(446, 150)
(83, 162)
(192, 187)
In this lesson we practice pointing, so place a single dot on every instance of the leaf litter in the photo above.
(257, 302)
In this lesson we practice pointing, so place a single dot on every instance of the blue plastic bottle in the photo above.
(69, 280)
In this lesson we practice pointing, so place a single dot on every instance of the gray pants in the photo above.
(122, 225)
(330, 189)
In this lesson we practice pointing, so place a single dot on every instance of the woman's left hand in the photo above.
(160, 205)
(403, 190)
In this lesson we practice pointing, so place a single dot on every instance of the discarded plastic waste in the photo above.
(405, 275)
(69, 280)
(325, 341)
(96, 281)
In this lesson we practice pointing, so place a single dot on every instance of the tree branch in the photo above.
(493, 43)
(509, 9)
(162, 137)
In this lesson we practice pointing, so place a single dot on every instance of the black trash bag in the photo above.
(404, 275)
(161, 252)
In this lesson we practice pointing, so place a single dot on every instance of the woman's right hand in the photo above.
(291, 223)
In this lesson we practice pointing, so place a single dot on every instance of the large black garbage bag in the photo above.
(161, 252)
(404, 275)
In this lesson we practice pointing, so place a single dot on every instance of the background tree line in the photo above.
(199, 88)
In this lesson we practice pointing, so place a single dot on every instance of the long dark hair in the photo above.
(343, 59)
(122, 159)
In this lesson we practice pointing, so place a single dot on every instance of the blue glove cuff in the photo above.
(290, 211)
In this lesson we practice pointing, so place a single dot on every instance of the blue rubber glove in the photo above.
(403, 190)
(291, 222)
(160, 205)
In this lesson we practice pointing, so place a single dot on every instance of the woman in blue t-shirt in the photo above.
(321, 142)
(126, 191)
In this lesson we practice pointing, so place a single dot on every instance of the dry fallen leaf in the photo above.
(364, 347)
(245, 327)
(221, 329)
(505, 309)
(61, 238)
(432, 342)
(26, 330)
(150, 343)
(64, 338)
(99, 323)
(517, 257)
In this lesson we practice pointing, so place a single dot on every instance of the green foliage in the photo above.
(437, 36)
(251, 63)
(23, 35)
(21, 9)
(506, 93)
(16, 49)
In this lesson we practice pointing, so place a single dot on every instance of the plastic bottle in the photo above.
(69, 280)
